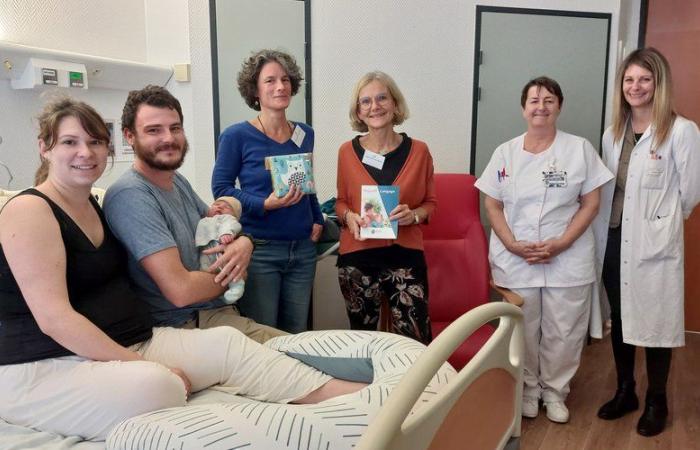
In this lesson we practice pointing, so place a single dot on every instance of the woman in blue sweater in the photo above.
(281, 272)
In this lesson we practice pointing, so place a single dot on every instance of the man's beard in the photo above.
(149, 157)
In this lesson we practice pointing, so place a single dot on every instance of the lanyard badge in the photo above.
(553, 178)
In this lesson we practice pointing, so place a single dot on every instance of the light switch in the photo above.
(182, 72)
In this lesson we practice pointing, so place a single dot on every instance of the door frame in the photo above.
(480, 9)
(215, 67)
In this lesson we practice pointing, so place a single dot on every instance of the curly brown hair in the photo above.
(151, 95)
(250, 72)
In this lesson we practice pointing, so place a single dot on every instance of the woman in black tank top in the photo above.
(78, 353)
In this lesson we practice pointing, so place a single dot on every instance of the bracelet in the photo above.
(249, 236)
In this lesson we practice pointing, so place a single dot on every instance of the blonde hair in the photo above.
(233, 203)
(401, 113)
(662, 113)
(50, 119)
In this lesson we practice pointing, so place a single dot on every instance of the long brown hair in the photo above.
(50, 118)
(662, 113)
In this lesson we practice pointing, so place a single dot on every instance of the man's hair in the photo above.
(151, 95)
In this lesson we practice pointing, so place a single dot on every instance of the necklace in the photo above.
(636, 137)
(393, 145)
(291, 130)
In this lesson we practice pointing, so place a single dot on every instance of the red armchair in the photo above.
(456, 254)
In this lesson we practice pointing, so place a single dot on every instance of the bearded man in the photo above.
(153, 210)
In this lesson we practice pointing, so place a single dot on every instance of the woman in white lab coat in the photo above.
(655, 155)
(542, 192)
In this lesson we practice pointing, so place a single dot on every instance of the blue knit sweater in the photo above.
(241, 155)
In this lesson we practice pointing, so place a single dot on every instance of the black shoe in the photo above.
(653, 420)
(625, 401)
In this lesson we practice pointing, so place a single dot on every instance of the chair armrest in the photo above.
(508, 295)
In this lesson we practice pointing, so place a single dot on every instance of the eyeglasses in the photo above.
(365, 103)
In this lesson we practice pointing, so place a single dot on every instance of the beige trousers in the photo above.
(229, 316)
(75, 396)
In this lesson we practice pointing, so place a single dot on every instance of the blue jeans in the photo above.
(280, 280)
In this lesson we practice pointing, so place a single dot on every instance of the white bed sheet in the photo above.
(13, 437)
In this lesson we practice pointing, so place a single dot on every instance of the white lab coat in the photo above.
(659, 193)
(536, 213)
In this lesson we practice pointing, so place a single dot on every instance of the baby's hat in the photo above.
(233, 203)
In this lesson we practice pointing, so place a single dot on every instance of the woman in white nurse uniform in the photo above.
(655, 155)
(542, 192)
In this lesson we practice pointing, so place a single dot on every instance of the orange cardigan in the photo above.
(416, 189)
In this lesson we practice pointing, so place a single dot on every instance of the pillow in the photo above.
(350, 369)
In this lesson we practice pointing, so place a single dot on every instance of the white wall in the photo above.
(108, 29)
(428, 48)
(136, 30)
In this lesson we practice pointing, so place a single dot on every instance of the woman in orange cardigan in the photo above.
(373, 271)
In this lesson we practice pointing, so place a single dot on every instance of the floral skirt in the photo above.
(405, 290)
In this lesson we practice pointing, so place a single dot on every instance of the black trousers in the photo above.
(658, 358)
(405, 291)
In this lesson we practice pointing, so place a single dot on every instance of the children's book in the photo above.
(377, 203)
(287, 170)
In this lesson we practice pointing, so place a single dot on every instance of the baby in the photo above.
(220, 227)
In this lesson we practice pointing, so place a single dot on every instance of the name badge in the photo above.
(298, 136)
(373, 159)
(554, 179)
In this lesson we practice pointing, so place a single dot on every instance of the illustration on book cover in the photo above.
(377, 203)
(288, 170)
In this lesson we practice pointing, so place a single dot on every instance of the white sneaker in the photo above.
(557, 412)
(531, 407)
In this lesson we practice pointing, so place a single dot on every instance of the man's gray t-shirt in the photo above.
(148, 219)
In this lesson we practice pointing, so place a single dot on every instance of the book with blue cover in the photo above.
(377, 203)
(287, 170)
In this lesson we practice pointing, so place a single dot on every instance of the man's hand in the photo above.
(233, 262)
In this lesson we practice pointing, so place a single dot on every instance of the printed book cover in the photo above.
(287, 170)
(377, 203)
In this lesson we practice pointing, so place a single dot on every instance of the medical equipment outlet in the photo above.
(50, 73)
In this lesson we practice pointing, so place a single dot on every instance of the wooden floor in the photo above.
(594, 384)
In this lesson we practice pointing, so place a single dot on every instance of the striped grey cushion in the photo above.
(248, 424)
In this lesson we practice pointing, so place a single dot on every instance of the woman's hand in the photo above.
(180, 373)
(316, 230)
(550, 247)
(531, 252)
(292, 198)
(403, 214)
(354, 223)
(233, 262)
